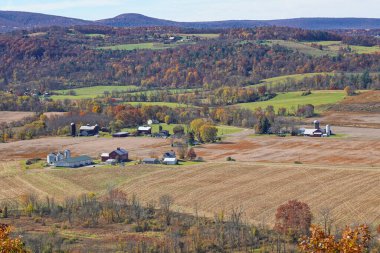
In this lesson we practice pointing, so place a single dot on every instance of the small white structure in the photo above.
(313, 132)
(170, 161)
(328, 130)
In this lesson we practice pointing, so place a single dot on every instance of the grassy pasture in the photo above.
(334, 46)
(291, 100)
(275, 81)
(140, 46)
(168, 104)
(301, 47)
(91, 92)
(202, 35)
(222, 130)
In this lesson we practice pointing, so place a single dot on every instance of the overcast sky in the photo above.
(199, 10)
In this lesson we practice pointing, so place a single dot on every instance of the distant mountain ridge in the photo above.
(13, 20)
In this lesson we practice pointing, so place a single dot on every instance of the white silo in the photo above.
(51, 158)
(67, 153)
(328, 130)
(59, 157)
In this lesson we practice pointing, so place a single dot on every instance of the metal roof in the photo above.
(150, 160)
(170, 159)
(311, 131)
(144, 128)
(76, 159)
(87, 128)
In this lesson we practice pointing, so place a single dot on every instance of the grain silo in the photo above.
(51, 159)
(316, 124)
(73, 130)
(328, 130)
(67, 153)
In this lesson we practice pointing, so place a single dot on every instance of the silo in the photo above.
(59, 157)
(316, 124)
(73, 130)
(96, 129)
(51, 159)
(67, 153)
(328, 130)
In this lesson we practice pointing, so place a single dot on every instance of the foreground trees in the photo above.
(353, 240)
(8, 244)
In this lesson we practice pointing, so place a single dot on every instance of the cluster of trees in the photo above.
(338, 81)
(225, 232)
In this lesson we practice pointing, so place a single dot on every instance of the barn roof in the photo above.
(311, 131)
(77, 159)
(169, 159)
(121, 151)
(87, 128)
(144, 128)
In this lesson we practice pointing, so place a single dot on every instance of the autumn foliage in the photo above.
(7, 244)
(354, 240)
(293, 218)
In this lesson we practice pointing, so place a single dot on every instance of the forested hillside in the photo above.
(58, 58)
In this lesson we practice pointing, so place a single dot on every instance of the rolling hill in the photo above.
(14, 20)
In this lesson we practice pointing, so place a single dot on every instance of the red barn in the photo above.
(120, 155)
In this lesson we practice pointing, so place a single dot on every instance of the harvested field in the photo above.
(138, 147)
(359, 147)
(7, 116)
(364, 102)
(360, 120)
(352, 193)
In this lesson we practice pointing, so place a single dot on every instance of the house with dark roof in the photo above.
(169, 154)
(119, 154)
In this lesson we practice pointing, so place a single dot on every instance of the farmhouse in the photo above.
(144, 130)
(120, 155)
(151, 161)
(170, 161)
(89, 130)
(74, 162)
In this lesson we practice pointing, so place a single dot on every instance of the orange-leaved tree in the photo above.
(7, 244)
(354, 240)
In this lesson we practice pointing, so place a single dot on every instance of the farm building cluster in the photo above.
(119, 155)
(64, 159)
(317, 131)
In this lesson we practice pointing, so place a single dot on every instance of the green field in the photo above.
(301, 47)
(90, 92)
(139, 46)
(275, 81)
(222, 129)
(291, 100)
(202, 35)
(168, 104)
(334, 46)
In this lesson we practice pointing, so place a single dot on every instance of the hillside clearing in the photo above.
(8, 116)
(291, 100)
(140, 46)
(90, 92)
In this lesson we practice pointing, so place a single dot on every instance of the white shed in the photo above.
(170, 161)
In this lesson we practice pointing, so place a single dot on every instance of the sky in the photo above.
(199, 10)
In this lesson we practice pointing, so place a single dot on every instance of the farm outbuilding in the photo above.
(144, 130)
(170, 161)
(313, 132)
(74, 162)
(120, 134)
(89, 130)
(169, 154)
(151, 161)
